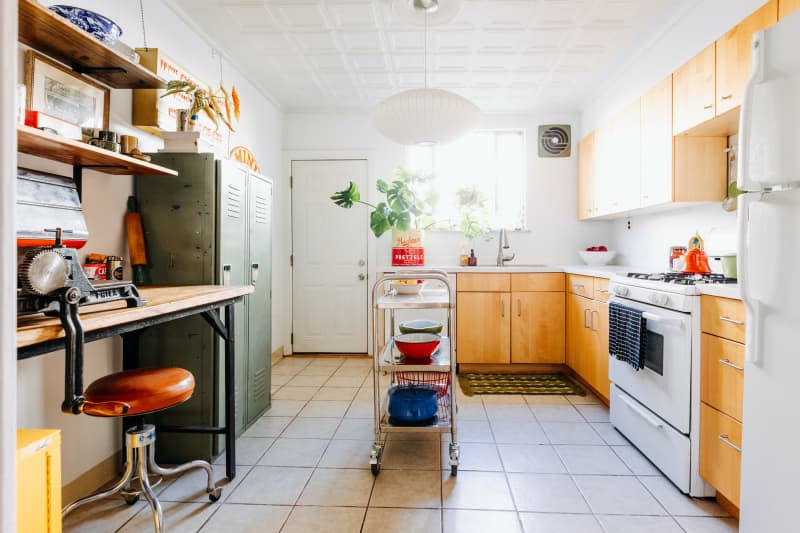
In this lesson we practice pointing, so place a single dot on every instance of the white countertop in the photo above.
(585, 270)
(723, 291)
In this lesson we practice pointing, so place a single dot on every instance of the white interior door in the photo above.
(329, 244)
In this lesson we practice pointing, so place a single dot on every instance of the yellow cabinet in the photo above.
(38, 480)
(537, 327)
(587, 341)
(722, 374)
(483, 327)
(787, 6)
(586, 175)
(693, 87)
(721, 452)
(734, 51)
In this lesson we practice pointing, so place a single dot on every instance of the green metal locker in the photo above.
(209, 225)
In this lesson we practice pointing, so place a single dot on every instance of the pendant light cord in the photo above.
(144, 31)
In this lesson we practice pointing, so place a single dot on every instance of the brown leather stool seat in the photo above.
(138, 392)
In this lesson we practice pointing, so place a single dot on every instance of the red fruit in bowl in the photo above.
(602, 249)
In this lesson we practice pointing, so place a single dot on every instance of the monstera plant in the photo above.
(399, 211)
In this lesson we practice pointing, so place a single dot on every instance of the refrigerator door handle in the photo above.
(752, 351)
(744, 117)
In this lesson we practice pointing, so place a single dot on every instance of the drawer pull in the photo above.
(578, 285)
(644, 415)
(731, 321)
(708, 106)
(727, 97)
(727, 362)
(725, 440)
(604, 291)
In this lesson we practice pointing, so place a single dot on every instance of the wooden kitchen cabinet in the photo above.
(723, 317)
(787, 6)
(580, 285)
(538, 329)
(722, 374)
(693, 87)
(587, 341)
(586, 174)
(733, 57)
(656, 159)
(483, 327)
(720, 452)
(483, 282)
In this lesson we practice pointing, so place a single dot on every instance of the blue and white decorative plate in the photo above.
(101, 28)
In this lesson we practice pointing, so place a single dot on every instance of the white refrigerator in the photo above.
(769, 276)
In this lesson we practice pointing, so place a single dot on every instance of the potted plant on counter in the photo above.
(400, 212)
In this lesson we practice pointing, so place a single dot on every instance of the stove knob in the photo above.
(659, 299)
(621, 291)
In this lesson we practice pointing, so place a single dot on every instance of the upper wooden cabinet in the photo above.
(586, 173)
(693, 87)
(734, 50)
(787, 6)
(656, 142)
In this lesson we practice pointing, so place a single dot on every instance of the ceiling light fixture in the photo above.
(425, 116)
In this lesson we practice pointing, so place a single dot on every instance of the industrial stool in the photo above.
(134, 393)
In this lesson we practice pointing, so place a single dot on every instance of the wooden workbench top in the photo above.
(37, 329)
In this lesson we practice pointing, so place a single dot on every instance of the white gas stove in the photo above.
(657, 407)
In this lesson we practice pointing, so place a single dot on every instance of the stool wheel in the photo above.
(130, 500)
(215, 494)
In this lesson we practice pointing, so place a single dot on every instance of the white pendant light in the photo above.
(425, 116)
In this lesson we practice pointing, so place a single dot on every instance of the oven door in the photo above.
(664, 384)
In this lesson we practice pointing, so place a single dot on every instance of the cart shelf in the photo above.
(426, 299)
(442, 423)
(392, 359)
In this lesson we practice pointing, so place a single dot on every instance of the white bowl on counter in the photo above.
(597, 258)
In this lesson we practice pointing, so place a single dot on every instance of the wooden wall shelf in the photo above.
(78, 154)
(43, 30)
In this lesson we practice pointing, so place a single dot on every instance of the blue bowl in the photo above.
(413, 403)
(101, 28)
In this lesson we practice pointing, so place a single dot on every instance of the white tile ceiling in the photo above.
(506, 55)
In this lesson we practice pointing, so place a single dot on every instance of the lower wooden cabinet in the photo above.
(721, 452)
(39, 480)
(483, 327)
(537, 327)
(587, 341)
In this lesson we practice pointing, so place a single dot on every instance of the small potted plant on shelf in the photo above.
(401, 213)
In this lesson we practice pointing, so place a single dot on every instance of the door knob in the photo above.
(362, 277)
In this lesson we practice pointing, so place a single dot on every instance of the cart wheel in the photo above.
(454, 470)
(215, 494)
(130, 500)
(376, 468)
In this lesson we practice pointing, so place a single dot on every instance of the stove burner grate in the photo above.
(679, 278)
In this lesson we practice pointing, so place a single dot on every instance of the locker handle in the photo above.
(226, 274)
(254, 273)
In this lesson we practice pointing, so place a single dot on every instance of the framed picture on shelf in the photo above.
(57, 91)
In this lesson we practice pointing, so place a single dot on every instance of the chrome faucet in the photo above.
(502, 244)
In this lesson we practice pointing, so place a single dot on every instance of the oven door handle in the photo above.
(670, 321)
(647, 417)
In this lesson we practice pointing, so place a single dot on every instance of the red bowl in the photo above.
(417, 345)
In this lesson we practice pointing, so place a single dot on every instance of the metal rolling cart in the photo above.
(439, 372)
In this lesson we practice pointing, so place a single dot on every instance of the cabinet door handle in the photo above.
(602, 291)
(585, 319)
(502, 308)
(727, 97)
(724, 438)
(519, 307)
(731, 321)
(708, 106)
(254, 273)
(226, 274)
(592, 315)
(727, 362)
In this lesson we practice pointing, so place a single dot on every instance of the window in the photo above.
(477, 182)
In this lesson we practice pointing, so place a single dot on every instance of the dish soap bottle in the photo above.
(472, 261)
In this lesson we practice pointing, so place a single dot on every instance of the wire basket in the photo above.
(440, 380)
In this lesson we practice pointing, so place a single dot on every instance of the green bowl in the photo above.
(421, 326)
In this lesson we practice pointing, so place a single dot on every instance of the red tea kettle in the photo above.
(696, 260)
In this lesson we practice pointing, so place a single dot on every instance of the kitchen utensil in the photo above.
(417, 345)
(128, 143)
(412, 403)
(724, 264)
(696, 260)
(421, 326)
(136, 247)
(408, 286)
(676, 254)
(101, 28)
(114, 267)
(597, 258)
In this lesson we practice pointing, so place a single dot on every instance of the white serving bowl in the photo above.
(597, 258)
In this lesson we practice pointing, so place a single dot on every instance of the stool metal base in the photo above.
(140, 451)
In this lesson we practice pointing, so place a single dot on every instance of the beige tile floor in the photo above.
(533, 464)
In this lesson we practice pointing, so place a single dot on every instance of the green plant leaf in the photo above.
(382, 186)
(379, 220)
(403, 221)
(347, 197)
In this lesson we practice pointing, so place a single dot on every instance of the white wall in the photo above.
(693, 29)
(40, 390)
(554, 234)
(8, 268)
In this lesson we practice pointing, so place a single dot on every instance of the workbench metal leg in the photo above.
(230, 394)
(130, 360)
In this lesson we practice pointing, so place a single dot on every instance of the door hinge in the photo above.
(291, 182)
(291, 338)
(291, 260)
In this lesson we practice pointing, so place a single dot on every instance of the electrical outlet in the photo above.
(629, 223)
